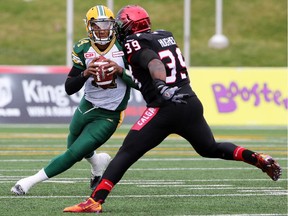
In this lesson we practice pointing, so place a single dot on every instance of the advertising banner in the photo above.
(37, 95)
(242, 96)
(231, 96)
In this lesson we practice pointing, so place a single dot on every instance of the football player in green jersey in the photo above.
(100, 111)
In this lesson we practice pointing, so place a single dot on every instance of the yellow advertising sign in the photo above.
(242, 96)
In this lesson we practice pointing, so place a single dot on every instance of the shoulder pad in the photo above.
(139, 36)
(162, 32)
(81, 44)
(78, 52)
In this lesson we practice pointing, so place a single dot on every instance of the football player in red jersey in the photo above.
(158, 67)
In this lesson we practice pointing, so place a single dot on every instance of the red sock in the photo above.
(105, 184)
(237, 154)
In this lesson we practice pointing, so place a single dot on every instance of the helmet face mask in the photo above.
(100, 24)
(132, 19)
(101, 32)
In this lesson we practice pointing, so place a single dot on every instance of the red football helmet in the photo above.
(132, 19)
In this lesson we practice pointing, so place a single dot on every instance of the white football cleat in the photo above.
(18, 190)
(103, 160)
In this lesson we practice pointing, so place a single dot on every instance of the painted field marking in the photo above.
(237, 215)
(141, 196)
(141, 159)
(152, 169)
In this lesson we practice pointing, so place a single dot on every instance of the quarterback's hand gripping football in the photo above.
(104, 72)
(112, 68)
(108, 66)
(170, 93)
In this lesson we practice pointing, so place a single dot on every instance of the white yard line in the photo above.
(237, 215)
(142, 159)
(153, 169)
(146, 196)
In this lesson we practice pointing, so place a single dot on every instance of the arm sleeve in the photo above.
(74, 81)
(128, 79)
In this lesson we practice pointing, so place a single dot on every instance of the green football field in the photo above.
(169, 180)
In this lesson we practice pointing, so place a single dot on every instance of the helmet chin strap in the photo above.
(103, 41)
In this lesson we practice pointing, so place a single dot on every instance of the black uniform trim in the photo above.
(74, 81)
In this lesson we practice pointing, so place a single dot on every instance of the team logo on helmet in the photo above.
(132, 19)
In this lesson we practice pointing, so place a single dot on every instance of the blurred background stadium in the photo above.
(243, 81)
(243, 85)
(33, 32)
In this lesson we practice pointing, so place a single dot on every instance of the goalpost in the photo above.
(217, 41)
(110, 4)
(69, 31)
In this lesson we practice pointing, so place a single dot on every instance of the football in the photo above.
(101, 78)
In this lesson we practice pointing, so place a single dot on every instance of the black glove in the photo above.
(170, 93)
